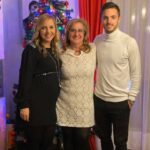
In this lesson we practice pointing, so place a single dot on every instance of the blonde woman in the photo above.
(39, 84)
(75, 110)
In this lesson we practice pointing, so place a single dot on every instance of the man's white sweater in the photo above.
(118, 67)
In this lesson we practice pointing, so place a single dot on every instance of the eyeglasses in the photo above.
(79, 30)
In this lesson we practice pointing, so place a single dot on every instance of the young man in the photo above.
(118, 80)
(29, 22)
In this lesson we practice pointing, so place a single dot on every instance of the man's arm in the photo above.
(135, 69)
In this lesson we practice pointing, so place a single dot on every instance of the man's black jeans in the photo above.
(112, 116)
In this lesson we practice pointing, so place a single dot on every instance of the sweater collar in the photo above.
(72, 52)
(113, 35)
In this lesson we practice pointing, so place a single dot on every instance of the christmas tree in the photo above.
(59, 9)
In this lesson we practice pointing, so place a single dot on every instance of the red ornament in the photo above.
(40, 10)
(44, 1)
(64, 20)
(24, 43)
(30, 25)
(12, 133)
(67, 4)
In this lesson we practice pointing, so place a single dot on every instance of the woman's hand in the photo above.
(24, 114)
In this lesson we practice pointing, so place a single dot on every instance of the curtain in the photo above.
(90, 11)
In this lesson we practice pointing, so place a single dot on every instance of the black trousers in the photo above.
(76, 138)
(40, 137)
(112, 116)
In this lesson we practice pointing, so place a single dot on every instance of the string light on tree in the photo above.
(59, 9)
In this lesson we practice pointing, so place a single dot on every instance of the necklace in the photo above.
(56, 66)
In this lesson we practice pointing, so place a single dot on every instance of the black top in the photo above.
(36, 90)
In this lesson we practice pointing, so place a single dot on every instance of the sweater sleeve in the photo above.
(28, 63)
(135, 69)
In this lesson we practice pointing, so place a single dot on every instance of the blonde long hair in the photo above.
(36, 40)
(85, 47)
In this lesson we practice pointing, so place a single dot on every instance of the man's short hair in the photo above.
(32, 3)
(110, 5)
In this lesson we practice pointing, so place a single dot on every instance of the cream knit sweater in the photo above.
(75, 107)
(118, 67)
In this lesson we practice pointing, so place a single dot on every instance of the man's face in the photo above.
(34, 8)
(110, 20)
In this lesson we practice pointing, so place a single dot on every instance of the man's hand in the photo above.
(130, 103)
(24, 114)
